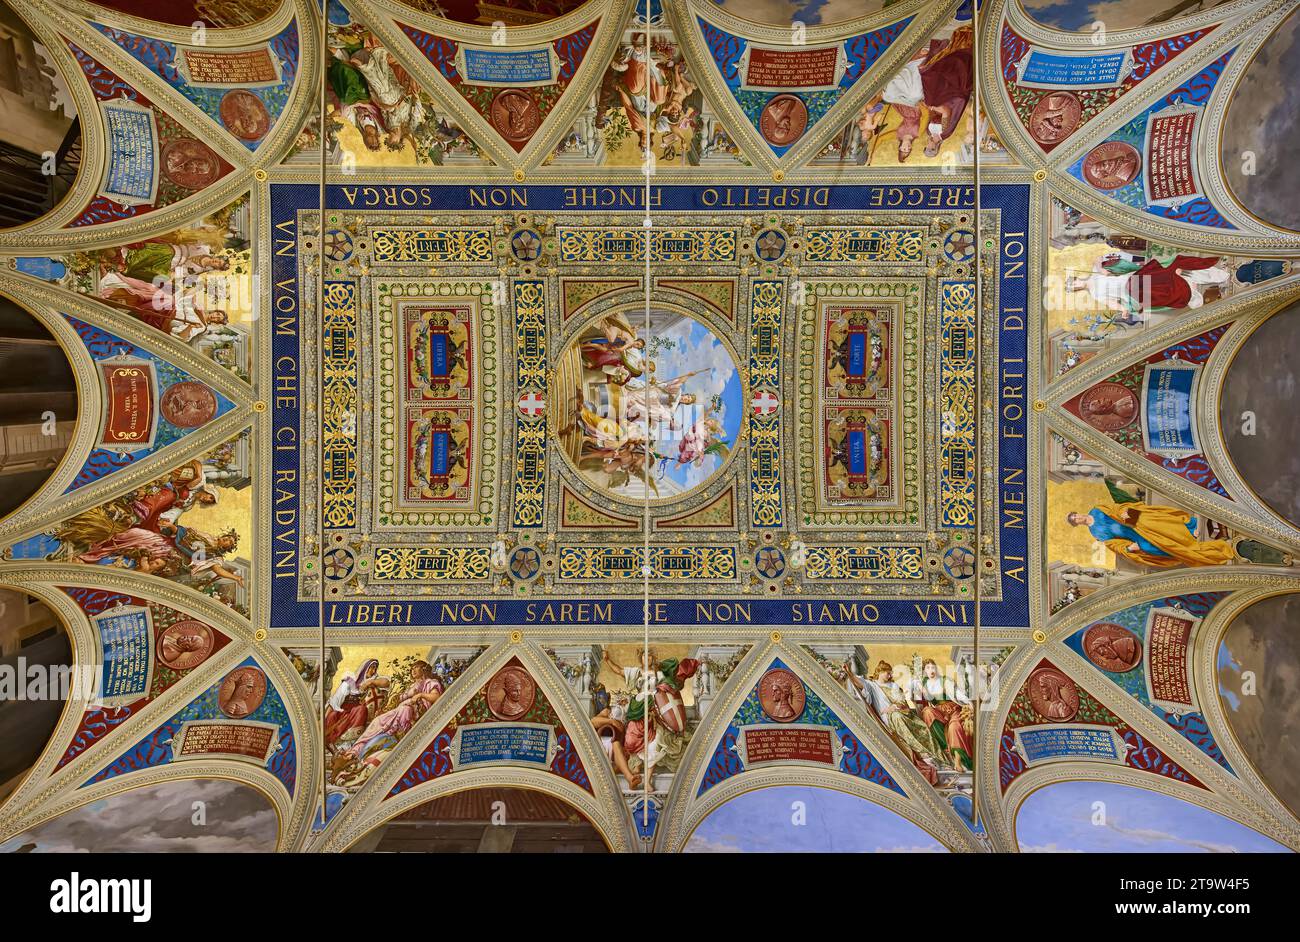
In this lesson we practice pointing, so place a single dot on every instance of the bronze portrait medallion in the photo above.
(510, 693)
(1112, 647)
(1055, 117)
(783, 120)
(189, 163)
(781, 695)
(184, 645)
(188, 404)
(1109, 407)
(515, 115)
(244, 115)
(1053, 695)
(242, 692)
(1112, 165)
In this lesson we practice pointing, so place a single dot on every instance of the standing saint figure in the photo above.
(388, 728)
(1150, 535)
(1129, 283)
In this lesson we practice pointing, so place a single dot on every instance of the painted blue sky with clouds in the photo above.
(1059, 819)
(835, 822)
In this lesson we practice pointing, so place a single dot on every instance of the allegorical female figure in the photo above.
(347, 709)
(387, 729)
(945, 717)
(898, 715)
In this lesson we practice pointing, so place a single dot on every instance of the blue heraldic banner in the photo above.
(1168, 416)
(125, 637)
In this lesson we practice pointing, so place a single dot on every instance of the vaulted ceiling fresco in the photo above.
(655, 426)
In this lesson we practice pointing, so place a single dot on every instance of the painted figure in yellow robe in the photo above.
(1150, 535)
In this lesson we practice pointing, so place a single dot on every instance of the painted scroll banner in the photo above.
(131, 171)
(1168, 415)
(762, 745)
(124, 635)
(130, 396)
(1059, 742)
(1170, 178)
(511, 68)
(250, 67)
(531, 745)
(1167, 653)
(1041, 69)
(805, 69)
(244, 740)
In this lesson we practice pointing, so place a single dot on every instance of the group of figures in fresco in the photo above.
(369, 713)
(1105, 284)
(648, 97)
(1131, 276)
(650, 409)
(376, 110)
(192, 283)
(628, 427)
(143, 531)
(925, 718)
(645, 711)
(149, 530)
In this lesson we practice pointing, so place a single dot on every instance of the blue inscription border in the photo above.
(288, 199)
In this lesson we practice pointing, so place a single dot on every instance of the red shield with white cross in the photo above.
(671, 709)
(765, 403)
(532, 405)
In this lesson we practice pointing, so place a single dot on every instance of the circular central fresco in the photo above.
(647, 407)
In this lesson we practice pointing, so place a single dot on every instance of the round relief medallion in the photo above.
(515, 115)
(189, 163)
(1055, 117)
(1112, 165)
(1053, 696)
(244, 115)
(188, 404)
(1109, 407)
(242, 692)
(646, 409)
(783, 120)
(1112, 647)
(184, 645)
(510, 693)
(781, 695)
